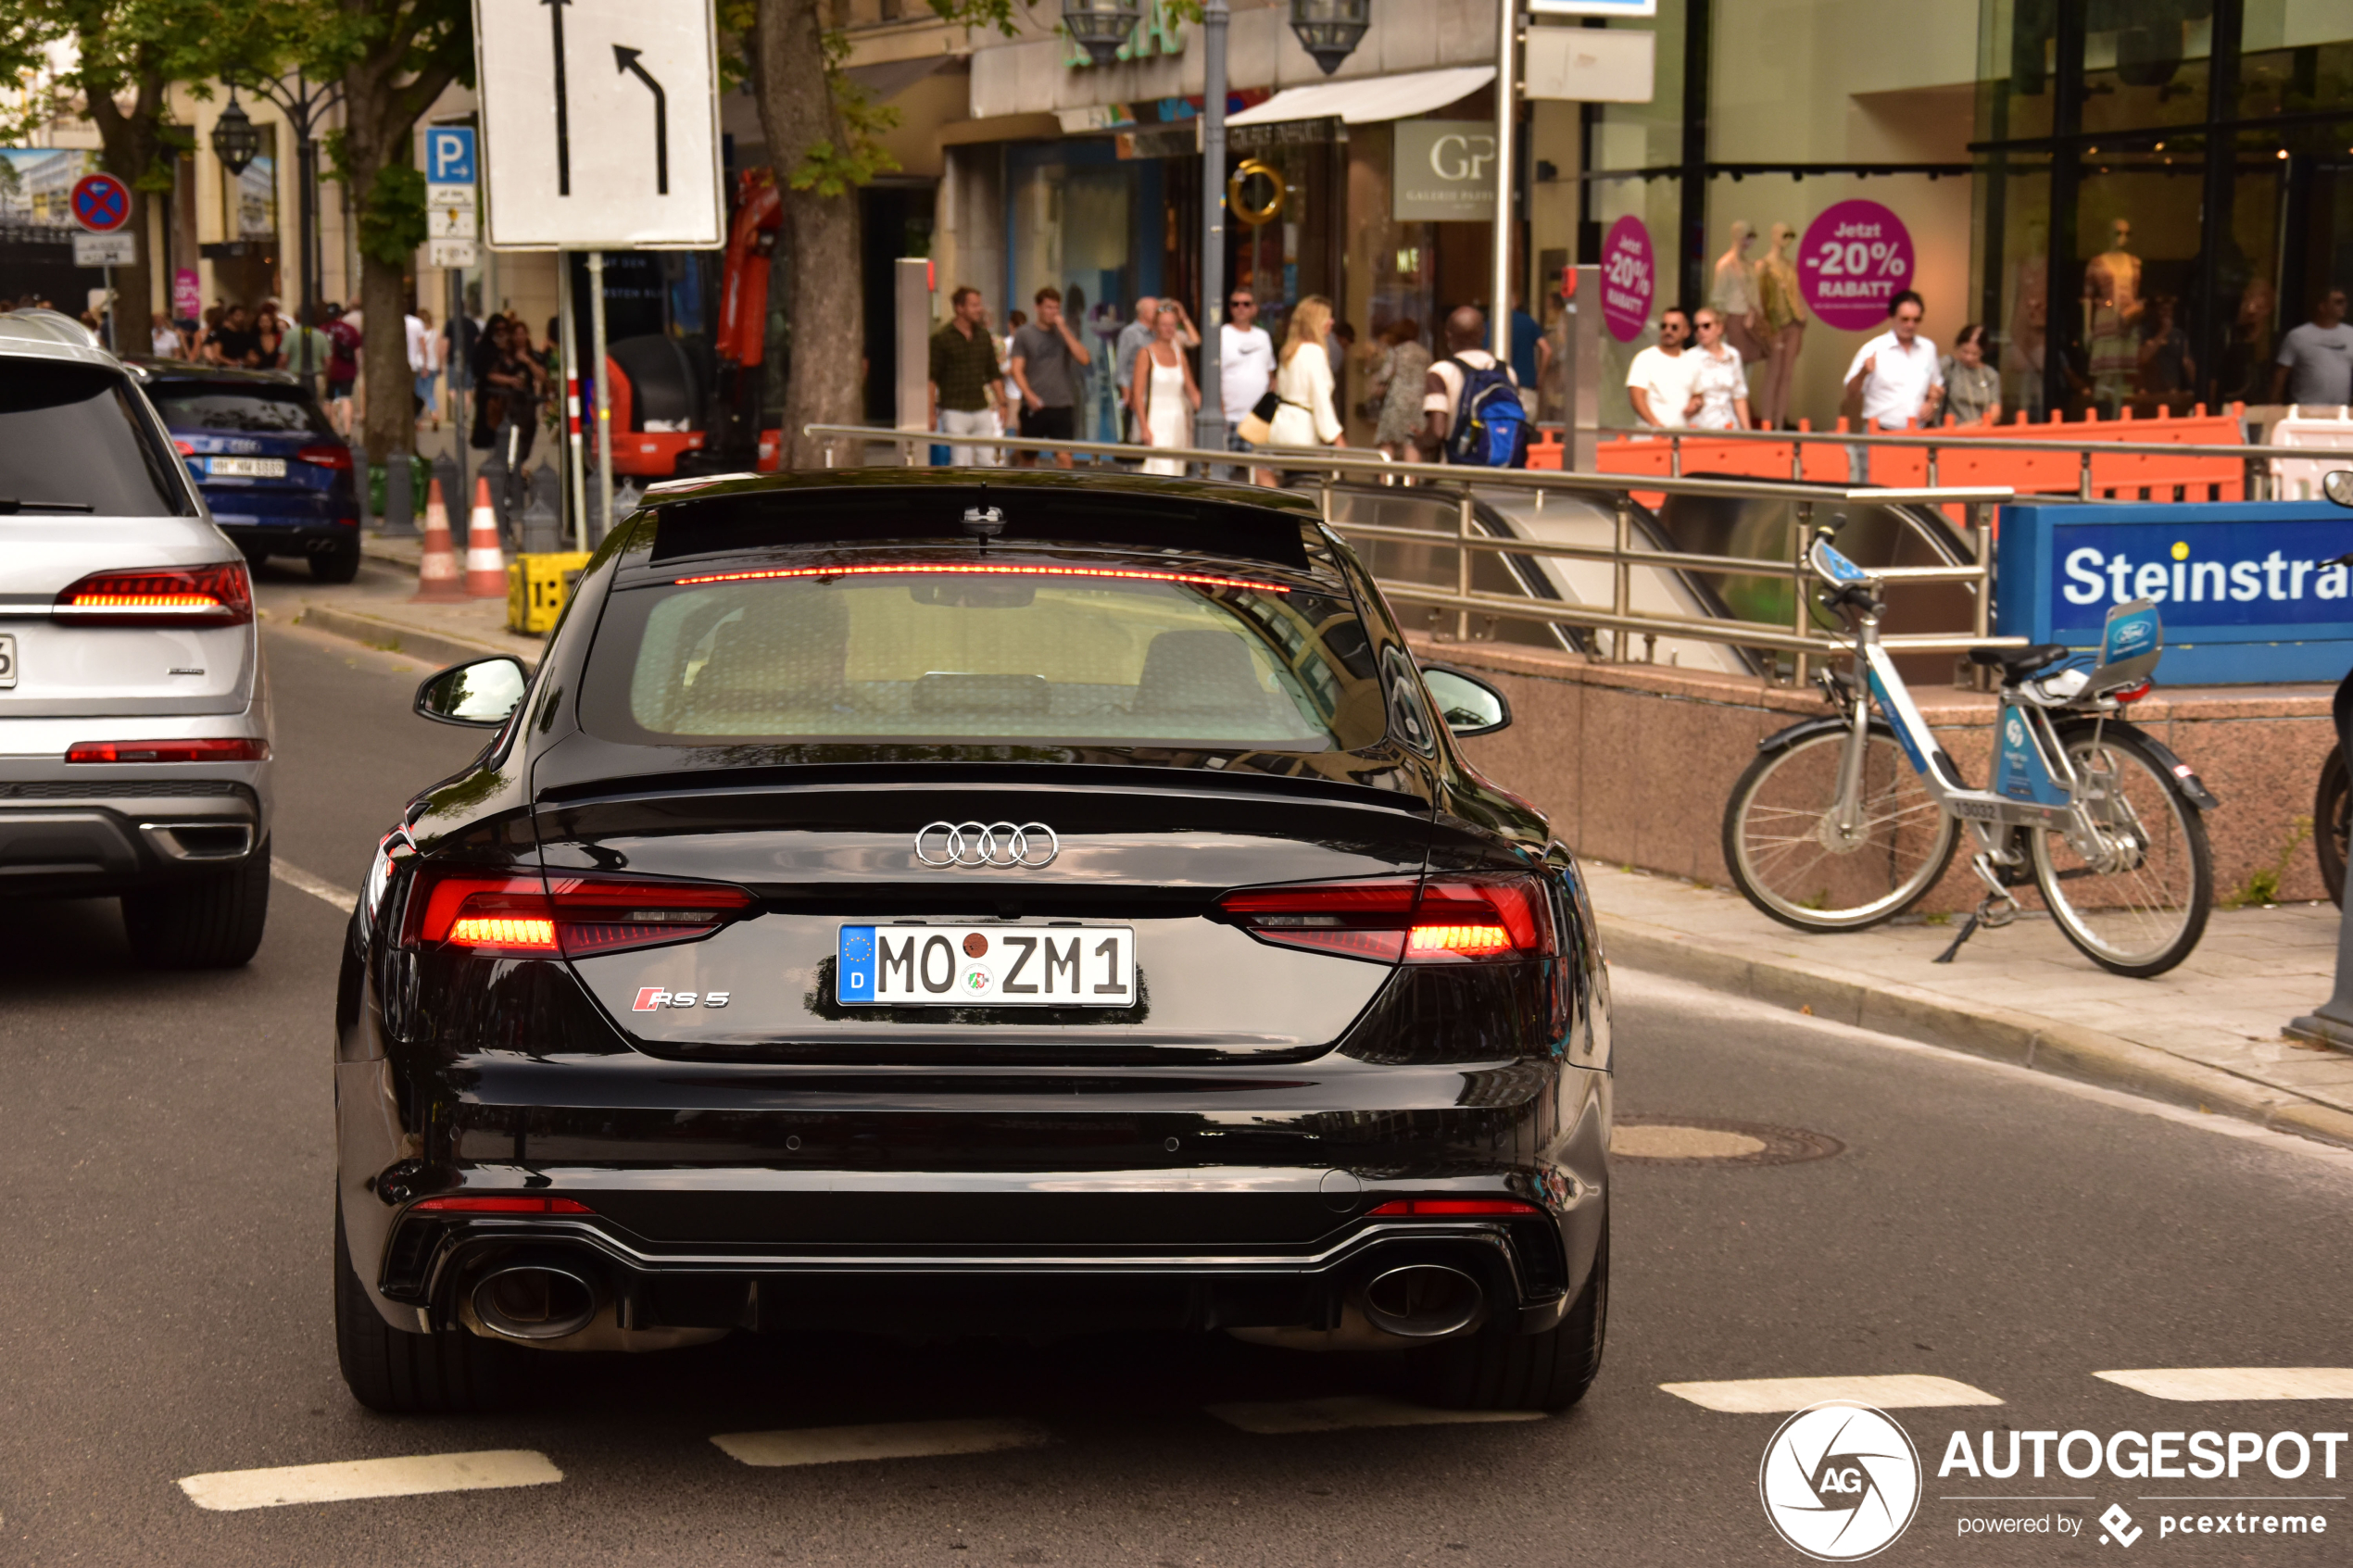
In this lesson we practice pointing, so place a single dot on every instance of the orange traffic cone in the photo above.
(485, 565)
(437, 568)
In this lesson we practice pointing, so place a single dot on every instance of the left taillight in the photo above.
(1391, 919)
(192, 596)
(575, 916)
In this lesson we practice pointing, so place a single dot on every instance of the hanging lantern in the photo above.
(235, 141)
(1100, 26)
(1330, 29)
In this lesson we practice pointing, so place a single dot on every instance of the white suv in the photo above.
(135, 727)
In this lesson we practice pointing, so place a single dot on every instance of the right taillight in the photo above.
(500, 915)
(1392, 919)
(172, 595)
(326, 454)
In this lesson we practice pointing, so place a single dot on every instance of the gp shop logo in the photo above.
(653, 999)
(1002, 844)
(1839, 1481)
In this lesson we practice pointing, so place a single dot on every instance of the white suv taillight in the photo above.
(171, 595)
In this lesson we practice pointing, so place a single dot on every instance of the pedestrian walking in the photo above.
(1717, 377)
(1659, 380)
(1013, 324)
(1129, 344)
(965, 394)
(1898, 376)
(343, 365)
(308, 351)
(417, 327)
(2315, 364)
(1164, 396)
(1471, 411)
(1304, 381)
(1404, 370)
(1972, 387)
(1047, 359)
(163, 338)
(1245, 370)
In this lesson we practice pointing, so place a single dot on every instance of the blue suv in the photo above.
(278, 478)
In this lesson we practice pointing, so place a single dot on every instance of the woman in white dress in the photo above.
(1718, 381)
(1304, 381)
(1163, 400)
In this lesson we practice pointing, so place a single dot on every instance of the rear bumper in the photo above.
(69, 838)
(1010, 1213)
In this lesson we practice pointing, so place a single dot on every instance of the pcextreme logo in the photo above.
(1839, 1481)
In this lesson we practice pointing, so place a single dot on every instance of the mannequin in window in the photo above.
(2112, 319)
(1784, 325)
(1735, 296)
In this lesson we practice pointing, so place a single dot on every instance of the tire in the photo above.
(1498, 1370)
(1801, 880)
(338, 561)
(208, 922)
(401, 1373)
(2332, 817)
(2143, 919)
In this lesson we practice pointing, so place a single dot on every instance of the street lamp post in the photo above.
(1499, 321)
(304, 103)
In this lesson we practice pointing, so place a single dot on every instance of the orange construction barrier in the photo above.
(437, 568)
(485, 563)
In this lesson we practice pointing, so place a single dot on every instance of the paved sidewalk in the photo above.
(2206, 1035)
(375, 611)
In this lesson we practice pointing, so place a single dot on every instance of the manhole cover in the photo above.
(1703, 1140)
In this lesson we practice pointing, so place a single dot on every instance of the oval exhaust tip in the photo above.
(1422, 1300)
(536, 1301)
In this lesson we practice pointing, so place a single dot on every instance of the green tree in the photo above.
(394, 57)
(126, 55)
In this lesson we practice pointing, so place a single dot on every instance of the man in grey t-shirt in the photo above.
(2315, 363)
(1046, 358)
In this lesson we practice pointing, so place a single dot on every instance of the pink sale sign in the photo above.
(1857, 255)
(1629, 280)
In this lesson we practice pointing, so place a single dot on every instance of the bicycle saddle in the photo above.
(2016, 664)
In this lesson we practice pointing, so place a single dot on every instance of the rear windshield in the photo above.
(251, 411)
(72, 440)
(1101, 655)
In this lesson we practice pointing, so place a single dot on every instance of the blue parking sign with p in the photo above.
(449, 155)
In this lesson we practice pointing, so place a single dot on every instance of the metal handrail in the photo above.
(1801, 637)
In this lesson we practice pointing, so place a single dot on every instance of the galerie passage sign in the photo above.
(1628, 275)
(1857, 255)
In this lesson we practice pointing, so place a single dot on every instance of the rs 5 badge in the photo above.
(653, 999)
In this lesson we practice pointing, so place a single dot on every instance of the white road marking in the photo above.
(2238, 1382)
(343, 898)
(902, 1439)
(1769, 1395)
(1278, 1416)
(230, 1489)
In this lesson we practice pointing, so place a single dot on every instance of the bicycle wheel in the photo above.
(2135, 902)
(1782, 844)
(2332, 822)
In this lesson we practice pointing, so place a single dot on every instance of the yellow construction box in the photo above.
(536, 586)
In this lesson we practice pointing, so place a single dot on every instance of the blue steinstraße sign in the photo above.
(2239, 583)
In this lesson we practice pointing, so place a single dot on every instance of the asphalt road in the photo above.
(165, 1150)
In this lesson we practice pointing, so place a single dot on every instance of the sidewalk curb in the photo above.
(2041, 1044)
(394, 636)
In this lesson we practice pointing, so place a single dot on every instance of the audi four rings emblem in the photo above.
(986, 844)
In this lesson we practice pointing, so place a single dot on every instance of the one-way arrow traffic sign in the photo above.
(563, 162)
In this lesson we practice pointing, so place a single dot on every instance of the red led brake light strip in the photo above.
(942, 567)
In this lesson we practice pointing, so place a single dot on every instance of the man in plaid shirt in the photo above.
(966, 384)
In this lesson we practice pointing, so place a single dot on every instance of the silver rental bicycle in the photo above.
(1841, 822)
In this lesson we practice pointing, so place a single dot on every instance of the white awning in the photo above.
(1370, 98)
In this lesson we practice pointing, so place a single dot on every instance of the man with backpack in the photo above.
(1471, 409)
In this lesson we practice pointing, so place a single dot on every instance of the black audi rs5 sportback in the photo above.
(930, 903)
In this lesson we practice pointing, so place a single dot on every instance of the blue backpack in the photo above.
(1490, 423)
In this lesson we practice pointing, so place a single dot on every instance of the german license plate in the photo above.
(986, 965)
(7, 660)
(245, 468)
